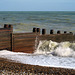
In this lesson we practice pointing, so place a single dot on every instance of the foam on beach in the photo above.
(45, 59)
(65, 49)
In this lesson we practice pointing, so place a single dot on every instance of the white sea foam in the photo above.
(39, 59)
(56, 49)
(48, 53)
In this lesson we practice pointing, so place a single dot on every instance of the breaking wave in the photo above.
(65, 49)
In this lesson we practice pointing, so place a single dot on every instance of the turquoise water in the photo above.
(24, 21)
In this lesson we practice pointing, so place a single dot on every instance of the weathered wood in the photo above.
(58, 32)
(57, 38)
(65, 32)
(38, 30)
(43, 31)
(24, 42)
(24, 49)
(1, 36)
(34, 30)
(11, 27)
(5, 29)
(11, 42)
(5, 38)
(4, 46)
(24, 39)
(4, 42)
(23, 45)
(51, 31)
(5, 25)
(30, 33)
(4, 32)
(24, 35)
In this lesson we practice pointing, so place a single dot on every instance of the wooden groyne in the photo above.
(25, 42)
(5, 37)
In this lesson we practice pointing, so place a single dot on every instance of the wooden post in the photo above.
(43, 31)
(58, 32)
(34, 30)
(38, 30)
(11, 41)
(65, 32)
(11, 27)
(70, 32)
(51, 31)
(5, 25)
(11, 35)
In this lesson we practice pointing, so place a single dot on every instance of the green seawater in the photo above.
(24, 21)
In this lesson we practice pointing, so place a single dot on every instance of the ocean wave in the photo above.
(65, 49)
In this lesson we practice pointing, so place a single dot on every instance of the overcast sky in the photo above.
(37, 5)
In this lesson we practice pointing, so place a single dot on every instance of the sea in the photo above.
(48, 53)
(25, 21)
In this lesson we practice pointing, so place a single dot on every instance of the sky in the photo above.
(37, 5)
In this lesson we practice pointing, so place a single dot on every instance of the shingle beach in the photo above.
(8, 67)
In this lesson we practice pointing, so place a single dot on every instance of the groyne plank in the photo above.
(5, 38)
(24, 42)
(27, 49)
(57, 37)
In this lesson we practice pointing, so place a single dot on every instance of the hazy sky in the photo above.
(37, 5)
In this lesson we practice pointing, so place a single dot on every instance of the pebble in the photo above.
(11, 68)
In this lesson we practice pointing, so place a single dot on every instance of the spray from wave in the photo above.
(56, 49)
